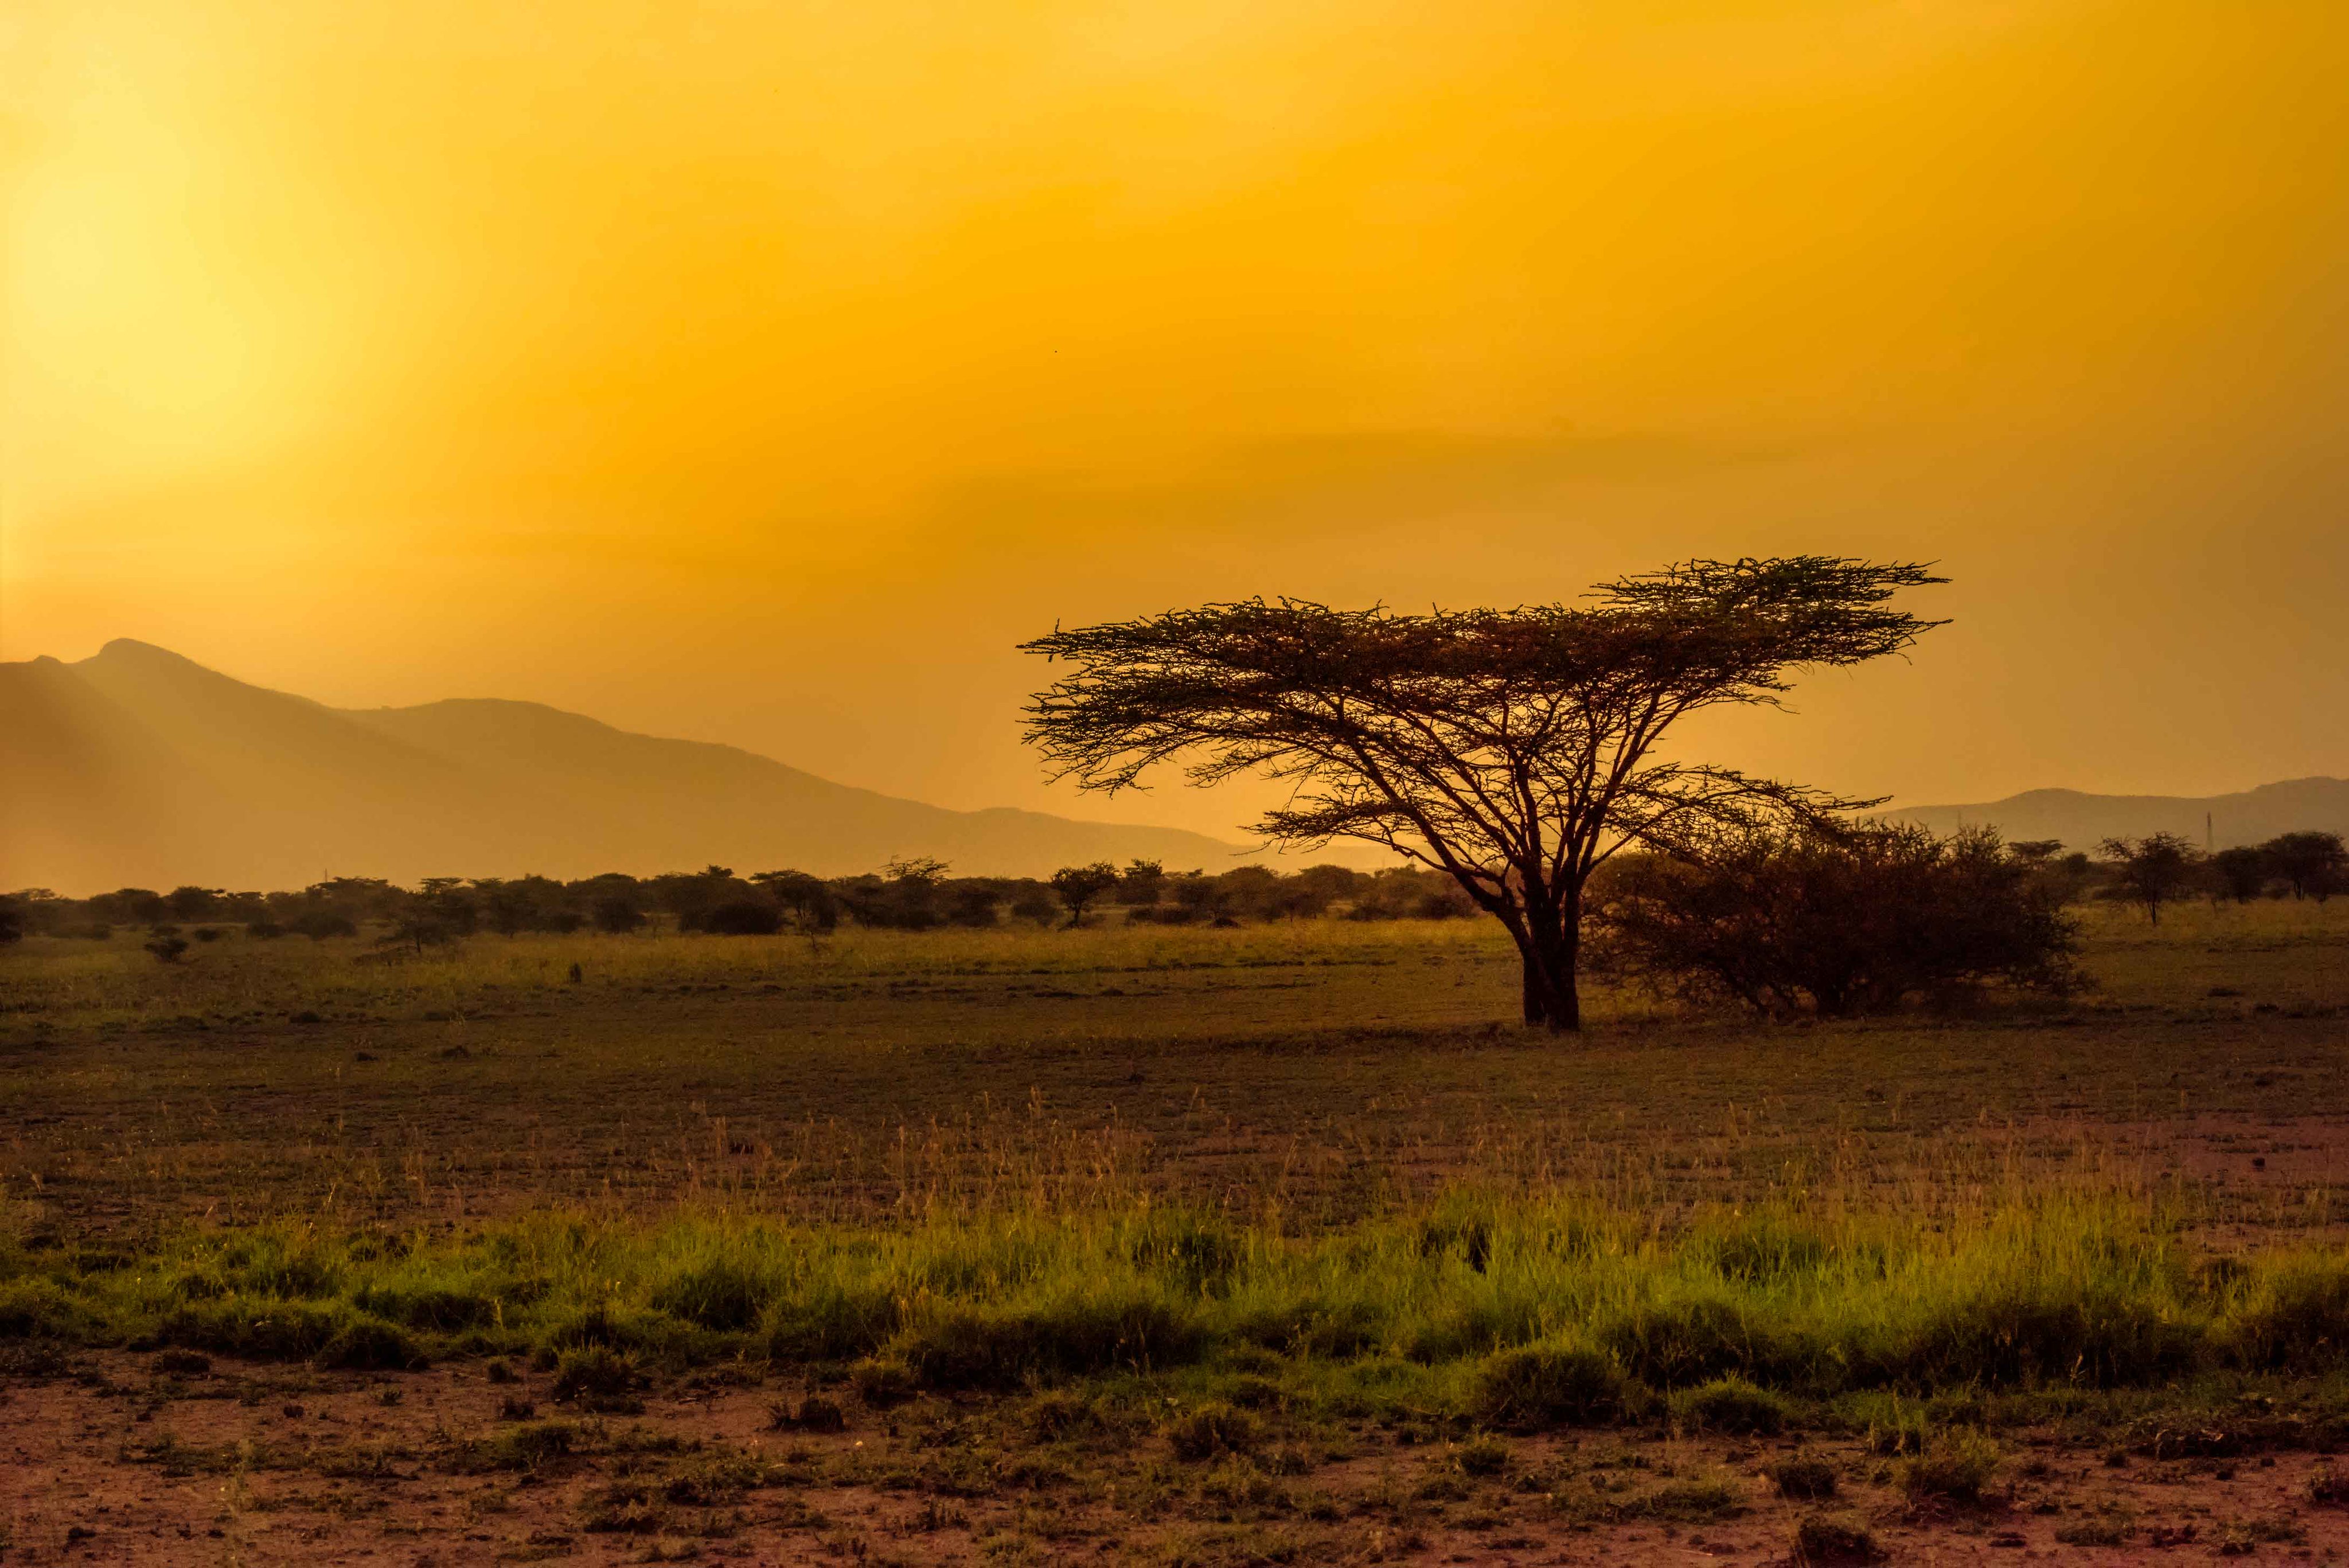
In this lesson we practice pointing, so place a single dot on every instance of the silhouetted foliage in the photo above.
(972, 904)
(167, 944)
(808, 900)
(2151, 871)
(1834, 921)
(1514, 750)
(2240, 874)
(2313, 865)
(192, 903)
(1034, 902)
(1079, 888)
(1141, 883)
(319, 924)
(744, 917)
(617, 914)
(12, 921)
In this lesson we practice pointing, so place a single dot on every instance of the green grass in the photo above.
(1566, 1313)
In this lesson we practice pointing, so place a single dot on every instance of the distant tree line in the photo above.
(1825, 919)
(912, 894)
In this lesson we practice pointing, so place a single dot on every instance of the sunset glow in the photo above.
(765, 373)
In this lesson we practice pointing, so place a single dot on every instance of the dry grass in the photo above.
(1317, 1074)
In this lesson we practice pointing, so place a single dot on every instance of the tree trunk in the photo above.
(1552, 996)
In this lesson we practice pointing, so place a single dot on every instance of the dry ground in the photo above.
(107, 1460)
(1308, 1075)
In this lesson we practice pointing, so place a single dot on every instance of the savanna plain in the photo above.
(1170, 1245)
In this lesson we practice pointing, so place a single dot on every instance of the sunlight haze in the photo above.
(764, 373)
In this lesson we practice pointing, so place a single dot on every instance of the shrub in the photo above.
(1823, 1540)
(1549, 1385)
(617, 914)
(831, 1324)
(721, 1292)
(1699, 1338)
(41, 1307)
(882, 1382)
(255, 1328)
(1803, 1478)
(1836, 922)
(2056, 1332)
(743, 917)
(1957, 1463)
(371, 1344)
(1211, 1430)
(968, 1346)
(1483, 1457)
(599, 1379)
(439, 1308)
(527, 1447)
(1730, 1404)
(2297, 1315)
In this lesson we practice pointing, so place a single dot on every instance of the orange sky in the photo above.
(762, 372)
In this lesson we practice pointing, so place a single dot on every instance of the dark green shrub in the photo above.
(599, 1379)
(1730, 1404)
(2297, 1318)
(1483, 1457)
(1212, 1430)
(32, 1307)
(1957, 1463)
(255, 1328)
(1333, 1333)
(1540, 1385)
(1823, 1540)
(965, 1346)
(2101, 1339)
(718, 1293)
(1803, 1478)
(1675, 1343)
(371, 1344)
(833, 1325)
(432, 1307)
(882, 1382)
(527, 1447)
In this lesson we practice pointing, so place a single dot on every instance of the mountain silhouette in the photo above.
(2082, 821)
(139, 767)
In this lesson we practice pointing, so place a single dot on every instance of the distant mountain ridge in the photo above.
(139, 767)
(2082, 821)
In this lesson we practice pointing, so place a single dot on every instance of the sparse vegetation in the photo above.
(1549, 1296)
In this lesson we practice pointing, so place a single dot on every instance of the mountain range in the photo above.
(138, 767)
(2219, 821)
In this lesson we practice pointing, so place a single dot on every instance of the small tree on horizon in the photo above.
(1080, 886)
(2240, 874)
(2313, 865)
(1514, 751)
(2152, 871)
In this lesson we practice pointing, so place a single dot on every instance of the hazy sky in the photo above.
(762, 372)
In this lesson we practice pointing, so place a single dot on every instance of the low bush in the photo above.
(1825, 1541)
(1213, 1430)
(1732, 1406)
(1803, 1477)
(1542, 1385)
(961, 1346)
(1957, 1464)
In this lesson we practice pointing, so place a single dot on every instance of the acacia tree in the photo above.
(1514, 751)
(2153, 870)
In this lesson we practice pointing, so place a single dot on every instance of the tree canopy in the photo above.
(1514, 749)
